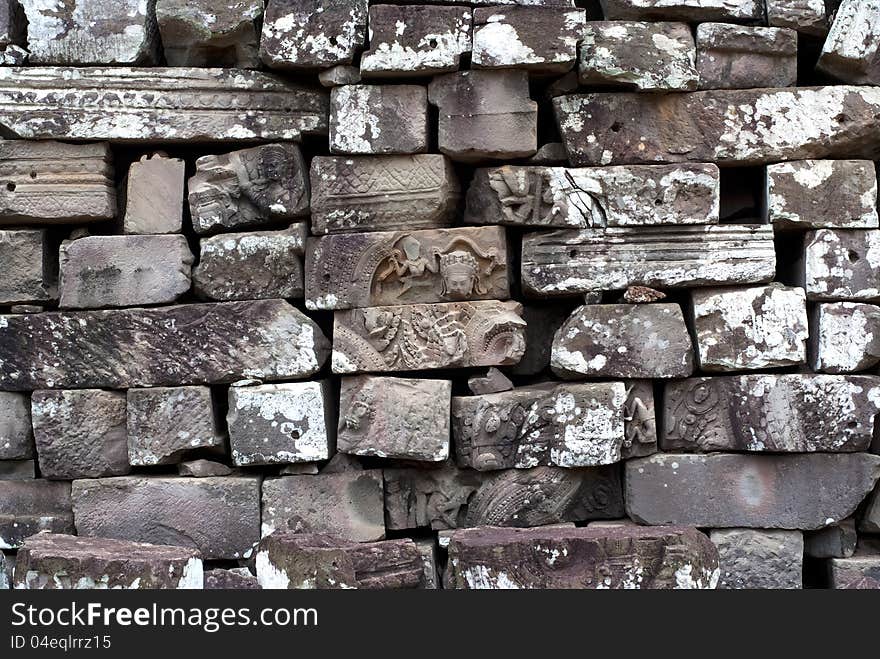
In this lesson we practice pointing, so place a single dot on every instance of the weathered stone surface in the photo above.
(49, 561)
(594, 197)
(252, 266)
(374, 119)
(30, 506)
(697, 11)
(822, 194)
(51, 183)
(341, 74)
(493, 382)
(542, 322)
(844, 337)
(166, 422)
(16, 433)
(399, 418)
(601, 558)
(426, 336)
(852, 48)
(564, 425)
(154, 195)
(431, 41)
(485, 115)
(449, 498)
(623, 341)
(237, 578)
(80, 433)
(729, 127)
(759, 559)
(870, 521)
(406, 267)
(312, 34)
(834, 541)
(203, 469)
(16, 470)
(744, 329)
(766, 491)
(12, 55)
(91, 32)
(774, 413)
(288, 560)
(841, 265)
(744, 57)
(27, 266)
(179, 345)
(566, 262)
(209, 33)
(219, 516)
(157, 104)
(375, 193)
(539, 39)
(122, 271)
(279, 423)
(805, 16)
(250, 187)
(346, 504)
(648, 57)
(861, 571)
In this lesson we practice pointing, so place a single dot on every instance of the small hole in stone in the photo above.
(295, 434)
(852, 255)
(327, 276)
(10, 186)
(333, 40)
(33, 174)
(615, 127)
(432, 43)
(841, 118)
(572, 253)
(658, 202)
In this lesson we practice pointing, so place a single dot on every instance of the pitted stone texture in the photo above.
(65, 562)
(754, 559)
(822, 194)
(406, 267)
(861, 571)
(625, 557)
(237, 578)
(166, 422)
(754, 491)
(581, 198)
(27, 266)
(740, 127)
(565, 425)
(30, 506)
(416, 40)
(347, 504)
(92, 32)
(219, 516)
(744, 329)
(647, 57)
(852, 48)
(210, 33)
(426, 336)
(157, 104)
(844, 337)
(565, 262)
(449, 498)
(744, 57)
(841, 265)
(400, 418)
(279, 423)
(790, 413)
(154, 195)
(623, 341)
(80, 433)
(834, 541)
(122, 271)
(54, 183)
(252, 266)
(288, 560)
(805, 16)
(179, 345)
(485, 115)
(312, 34)
(374, 119)
(380, 193)
(493, 382)
(540, 39)
(247, 188)
(16, 433)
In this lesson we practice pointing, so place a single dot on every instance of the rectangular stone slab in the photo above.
(27, 266)
(729, 127)
(851, 51)
(624, 557)
(568, 262)
(745, 57)
(406, 267)
(178, 345)
(219, 516)
(157, 104)
(696, 11)
(54, 183)
(861, 571)
(756, 491)
(844, 337)
(754, 559)
(30, 506)
(582, 198)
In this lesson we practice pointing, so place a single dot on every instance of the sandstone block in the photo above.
(744, 57)
(374, 119)
(154, 195)
(845, 337)
(834, 541)
(696, 11)
(759, 559)
(805, 16)
(30, 506)
(841, 265)
(861, 571)
(27, 266)
(852, 49)
(16, 432)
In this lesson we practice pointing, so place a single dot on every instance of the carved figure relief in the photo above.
(545, 196)
(694, 418)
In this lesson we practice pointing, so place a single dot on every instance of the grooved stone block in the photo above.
(744, 57)
(841, 264)
(16, 433)
(852, 49)
(154, 195)
(844, 337)
(66, 562)
(219, 516)
(26, 263)
(768, 491)
(696, 11)
(30, 506)
(759, 559)
(374, 119)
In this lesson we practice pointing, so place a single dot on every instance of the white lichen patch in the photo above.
(485, 577)
(269, 575)
(847, 336)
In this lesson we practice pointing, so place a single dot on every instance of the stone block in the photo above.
(30, 506)
(870, 521)
(696, 11)
(16, 433)
(17, 470)
(805, 16)
(860, 572)
(754, 559)
(542, 322)
(852, 49)
(834, 541)
(154, 195)
(745, 57)
(237, 578)
(378, 119)
(841, 264)
(27, 265)
(844, 337)
(341, 74)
